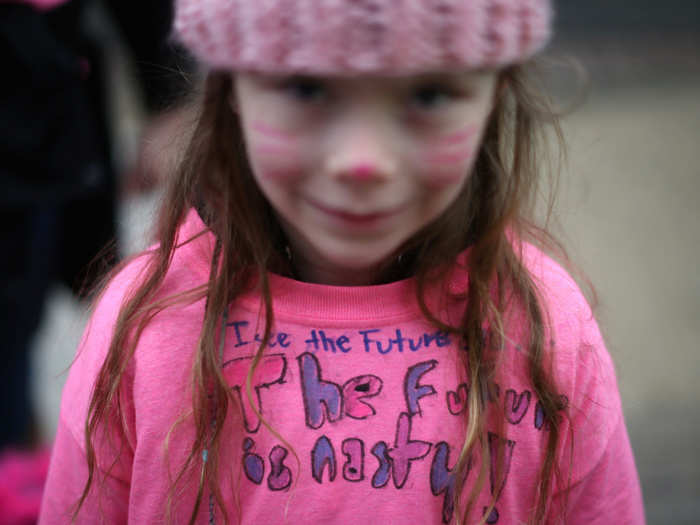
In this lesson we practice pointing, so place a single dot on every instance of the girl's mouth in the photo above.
(352, 218)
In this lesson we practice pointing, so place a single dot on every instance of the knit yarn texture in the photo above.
(389, 37)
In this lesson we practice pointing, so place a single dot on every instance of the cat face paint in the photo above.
(272, 143)
(447, 157)
(354, 166)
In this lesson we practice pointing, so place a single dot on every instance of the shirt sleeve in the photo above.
(108, 499)
(610, 492)
(595, 457)
(604, 484)
(66, 480)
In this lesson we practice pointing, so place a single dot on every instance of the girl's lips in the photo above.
(359, 219)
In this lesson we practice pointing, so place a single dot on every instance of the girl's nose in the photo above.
(363, 159)
(362, 172)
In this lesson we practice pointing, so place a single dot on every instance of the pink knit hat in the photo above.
(393, 37)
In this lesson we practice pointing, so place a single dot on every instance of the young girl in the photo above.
(346, 318)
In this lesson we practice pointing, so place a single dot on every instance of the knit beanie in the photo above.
(345, 37)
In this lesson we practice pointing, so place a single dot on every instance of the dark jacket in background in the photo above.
(58, 186)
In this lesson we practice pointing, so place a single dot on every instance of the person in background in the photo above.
(58, 187)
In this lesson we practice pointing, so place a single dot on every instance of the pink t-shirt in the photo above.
(367, 398)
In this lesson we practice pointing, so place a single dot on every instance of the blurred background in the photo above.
(628, 208)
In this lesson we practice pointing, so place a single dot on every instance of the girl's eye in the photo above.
(432, 96)
(304, 89)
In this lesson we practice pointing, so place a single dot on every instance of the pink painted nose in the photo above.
(362, 172)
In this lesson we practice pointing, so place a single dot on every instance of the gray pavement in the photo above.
(630, 216)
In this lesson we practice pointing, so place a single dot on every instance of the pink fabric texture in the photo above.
(348, 37)
(367, 398)
(22, 477)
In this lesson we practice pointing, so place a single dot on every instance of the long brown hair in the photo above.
(493, 215)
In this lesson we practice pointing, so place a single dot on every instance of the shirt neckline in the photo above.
(303, 301)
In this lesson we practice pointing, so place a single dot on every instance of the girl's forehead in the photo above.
(470, 75)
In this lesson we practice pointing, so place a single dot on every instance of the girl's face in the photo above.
(354, 166)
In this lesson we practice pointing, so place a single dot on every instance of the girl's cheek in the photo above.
(270, 132)
(445, 161)
(275, 164)
(274, 153)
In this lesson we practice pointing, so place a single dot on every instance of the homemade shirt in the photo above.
(366, 400)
